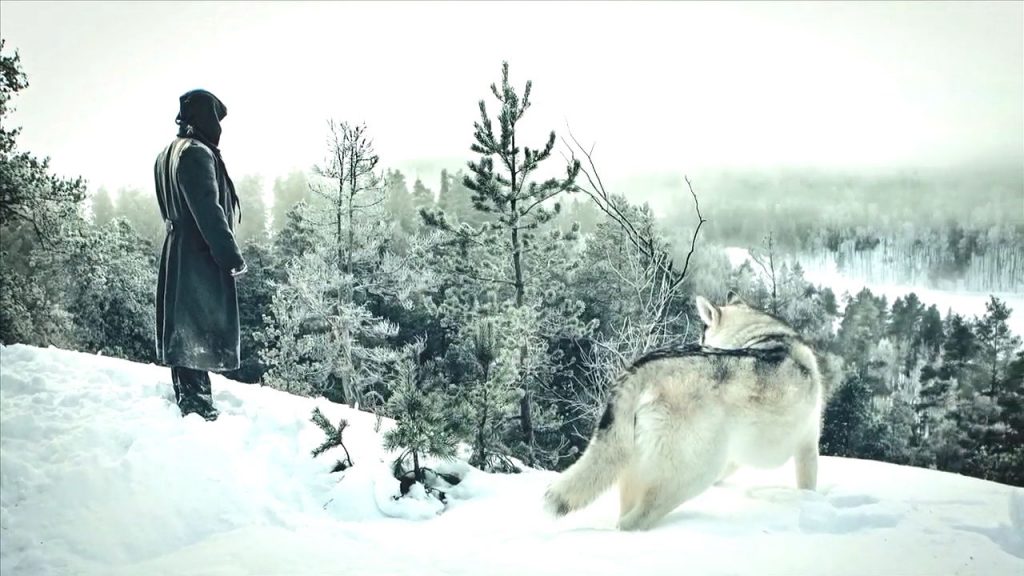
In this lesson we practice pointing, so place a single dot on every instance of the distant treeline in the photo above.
(965, 231)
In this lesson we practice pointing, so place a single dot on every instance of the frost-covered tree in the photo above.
(455, 200)
(321, 338)
(631, 306)
(765, 258)
(354, 193)
(422, 197)
(298, 235)
(1009, 465)
(39, 212)
(32, 305)
(30, 195)
(313, 337)
(353, 243)
(103, 210)
(143, 213)
(255, 298)
(503, 186)
(466, 296)
(399, 202)
(108, 276)
(446, 201)
(491, 395)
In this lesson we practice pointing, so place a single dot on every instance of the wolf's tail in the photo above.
(603, 461)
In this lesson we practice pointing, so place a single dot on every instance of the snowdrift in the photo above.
(99, 474)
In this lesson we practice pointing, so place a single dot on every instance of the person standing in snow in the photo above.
(197, 323)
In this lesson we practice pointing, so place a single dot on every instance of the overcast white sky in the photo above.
(663, 88)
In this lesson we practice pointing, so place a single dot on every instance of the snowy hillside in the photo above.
(100, 475)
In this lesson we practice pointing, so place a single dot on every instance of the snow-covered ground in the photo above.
(967, 303)
(100, 475)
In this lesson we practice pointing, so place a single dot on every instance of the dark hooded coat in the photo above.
(197, 303)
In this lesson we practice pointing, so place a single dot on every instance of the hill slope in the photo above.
(100, 475)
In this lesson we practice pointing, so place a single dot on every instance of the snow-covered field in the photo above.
(969, 304)
(100, 475)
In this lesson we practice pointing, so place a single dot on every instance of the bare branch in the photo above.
(693, 242)
(645, 240)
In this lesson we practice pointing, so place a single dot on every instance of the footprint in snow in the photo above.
(843, 514)
(852, 500)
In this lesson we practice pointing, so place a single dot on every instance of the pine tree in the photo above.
(354, 194)
(102, 208)
(314, 330)
(959, 350)
(904, 326)
(297, 235)
(40, 214)
(311, 335)
(419, 408)
(1009, 465)
(107, 284)
(422, 197)
(143, 213)
(492, 397)
(462, 202)
(444, 196)
(930, 335)
(335, 438)
(996, 343)
(399, 202)
(517, 203)
(29, 194)
(584, 215)
(255, 298)
(899, 424)
(847, 420)
(933, 400)
(31, 305)
(861, 329)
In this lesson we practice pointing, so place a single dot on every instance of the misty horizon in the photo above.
(699, 89)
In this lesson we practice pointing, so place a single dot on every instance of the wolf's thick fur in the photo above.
(683, 418)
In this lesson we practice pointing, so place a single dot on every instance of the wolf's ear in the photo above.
(708, 312)
(733, 298)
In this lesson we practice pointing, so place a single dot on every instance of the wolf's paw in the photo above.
(555, 504)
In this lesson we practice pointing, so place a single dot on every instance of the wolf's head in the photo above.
(737, 325)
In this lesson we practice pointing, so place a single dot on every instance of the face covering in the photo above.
(199, 116)
(202, 112)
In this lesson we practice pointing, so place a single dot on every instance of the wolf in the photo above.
(683, 418)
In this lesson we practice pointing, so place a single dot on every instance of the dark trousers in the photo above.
(192, 391)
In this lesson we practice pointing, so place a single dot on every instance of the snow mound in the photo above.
(99, 474)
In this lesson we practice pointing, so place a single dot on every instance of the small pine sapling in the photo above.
(490, 396)
(422, 428)
(334, 439)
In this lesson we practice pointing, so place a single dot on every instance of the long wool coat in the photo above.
(197, 303)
